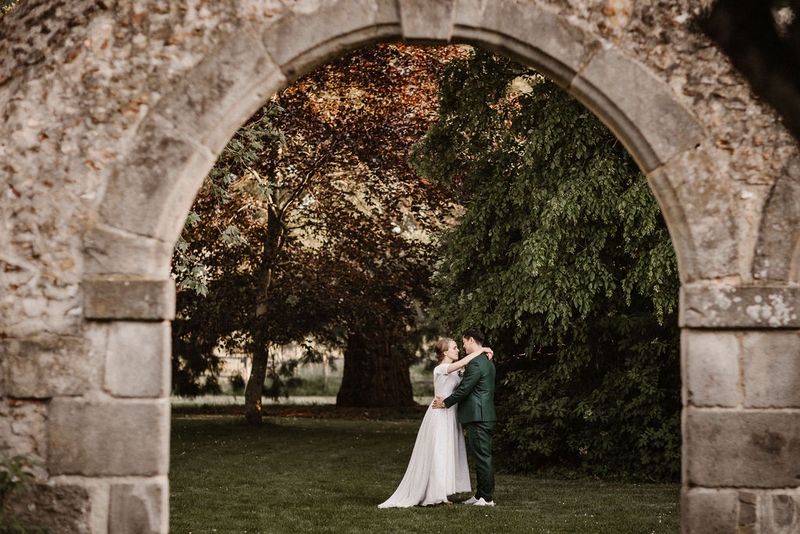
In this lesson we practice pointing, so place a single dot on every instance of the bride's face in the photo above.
(452, 351)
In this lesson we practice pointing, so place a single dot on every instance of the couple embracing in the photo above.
(438, 465)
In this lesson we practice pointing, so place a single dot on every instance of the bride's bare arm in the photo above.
(468, 358)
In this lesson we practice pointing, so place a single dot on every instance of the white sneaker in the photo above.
(482, 502)
(471, 500)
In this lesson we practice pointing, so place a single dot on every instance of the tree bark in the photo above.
(255, 385)
(373, 376)
(273, 242)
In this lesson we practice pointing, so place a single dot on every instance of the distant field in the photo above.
(315, 381)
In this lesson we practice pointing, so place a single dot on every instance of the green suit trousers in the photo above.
(479, 437)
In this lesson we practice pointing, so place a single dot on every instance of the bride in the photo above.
(438, 464)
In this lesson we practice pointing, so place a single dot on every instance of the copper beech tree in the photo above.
(312, 225)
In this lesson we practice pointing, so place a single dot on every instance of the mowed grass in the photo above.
(300, 474)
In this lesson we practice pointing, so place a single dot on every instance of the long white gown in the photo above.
(438, 464)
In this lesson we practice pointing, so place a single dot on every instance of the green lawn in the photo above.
(329, 475)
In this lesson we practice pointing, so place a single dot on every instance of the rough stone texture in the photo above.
(23, 428)
(64, 509)
(771, 369)
(111, 438)
(691, 196)
(230, 84)
(128, 297)
(708, 511)
(710, 366)
(138, 508)
(111, 112)
(732, 306)
(775, 257)
(424, 22)
(626, 89)
(135, 363)
(140, 180)
(45, 366)
(742, 512)
(233, 80)
(748, 502)
(112, 251)
(741, 449)
(780, 513)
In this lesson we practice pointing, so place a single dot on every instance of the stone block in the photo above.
(676, 218)
(109, 250)
(140, 508)
(741, 448)
(315, 32)
(710, 368)
(45, 366)
(638, 107)
(151, 191)
(708, 511)
(224, 90)
(138, 359)
(776, 251)
(771, 369)
(111, 438)
(427, 21)
(748, 502)
(714, 305)
(526, 32)
(780, 513)
(702, 223)
(128, 297)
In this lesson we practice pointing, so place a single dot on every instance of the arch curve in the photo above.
(153, 186)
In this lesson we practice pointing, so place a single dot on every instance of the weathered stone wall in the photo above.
(112, 112)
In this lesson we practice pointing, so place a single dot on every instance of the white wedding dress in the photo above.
(438, 464)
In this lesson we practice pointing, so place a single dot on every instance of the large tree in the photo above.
(563, 258)
(312, 224)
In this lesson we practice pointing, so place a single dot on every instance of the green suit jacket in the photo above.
(475, 393)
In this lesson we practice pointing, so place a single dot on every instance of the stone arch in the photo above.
(149, 193)
(739, 339)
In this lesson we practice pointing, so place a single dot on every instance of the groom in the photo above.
(475, 398)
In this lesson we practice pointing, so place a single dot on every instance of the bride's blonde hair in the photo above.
(441, 346)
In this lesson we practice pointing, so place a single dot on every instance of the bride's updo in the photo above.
(441, 346)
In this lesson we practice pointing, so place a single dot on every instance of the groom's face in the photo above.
(469, 344)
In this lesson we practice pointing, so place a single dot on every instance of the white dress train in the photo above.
(438, 464)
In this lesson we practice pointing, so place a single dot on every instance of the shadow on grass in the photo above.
(322, 469)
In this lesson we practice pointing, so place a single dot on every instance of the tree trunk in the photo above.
(255, 385)
(273, 242)
(373, 377)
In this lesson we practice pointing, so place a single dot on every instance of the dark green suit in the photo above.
(475, 399)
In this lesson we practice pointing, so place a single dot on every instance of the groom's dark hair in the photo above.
(474, 333)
